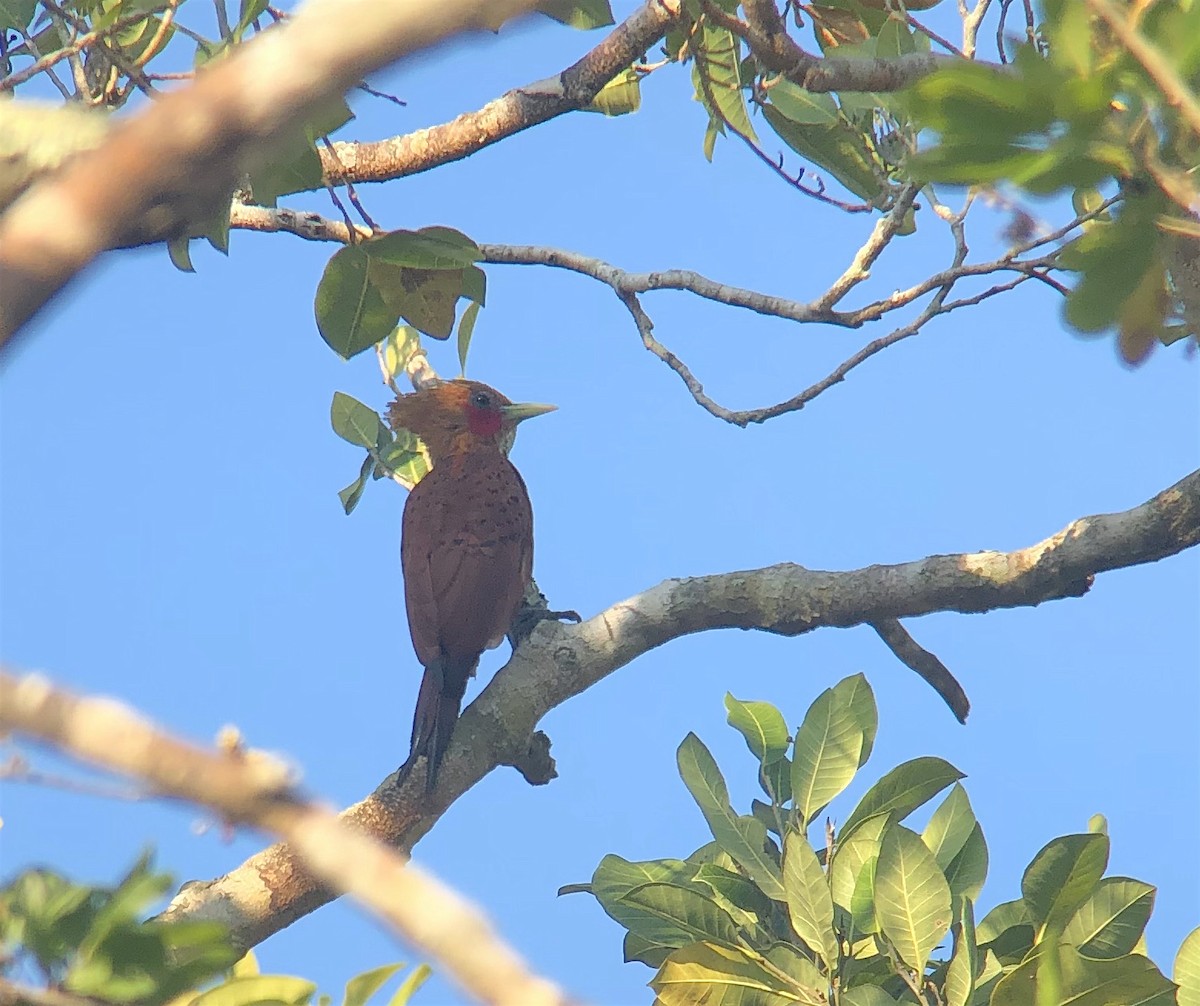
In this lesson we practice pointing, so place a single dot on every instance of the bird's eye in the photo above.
(481, 400)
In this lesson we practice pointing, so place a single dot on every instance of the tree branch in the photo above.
(270, 890)
(511, 113)
(766, 35)
(177, 160)
(251, 788)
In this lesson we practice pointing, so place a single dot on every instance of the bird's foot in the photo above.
(529, 618)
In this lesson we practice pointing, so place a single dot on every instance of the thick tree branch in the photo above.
(177, 160)
(253, 789)
(511, 113)
(557, 662)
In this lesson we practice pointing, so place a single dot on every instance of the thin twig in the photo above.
(350, 192)
(364, 86)
(78, 45)
(32, 46)
(222, 19)
(932, 35)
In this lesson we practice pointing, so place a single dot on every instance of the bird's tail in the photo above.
(438, 704)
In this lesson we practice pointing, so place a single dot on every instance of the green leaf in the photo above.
(687, 910)
(406, 459)
(1004, 916)
(294, 166)
(967, 99)
(16, 13)
(474, 286)
(827, 754)
(1007, 932)
(912, 898)
(800, 970)
(351, 312)
(466, 328)
(1111, 921)
(866, 995)
(894, 39)
(258, 989)
(616, 877)
(179, 251)
(427, 248)
(716, 75)
(425, 298)
(718, 976)
(762, 725)
(840, 150)
(964, 963)
(635, 948)
(743, 838)
(967, 871)
(419, 976)
(1112, 259)
(620, 96)
(903, 790)
(810, 904)
(853, 869)
(737, 895)
(360, 988)
(582, 14)
(776, 781)
(1062, 877)
(1187, 970)
(804, 107)
(1128, 980)
(356, 423)
(950, 826)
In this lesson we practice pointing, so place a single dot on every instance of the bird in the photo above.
(466, 546)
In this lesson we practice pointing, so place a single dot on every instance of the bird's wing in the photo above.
(421, 533)
(480, 583)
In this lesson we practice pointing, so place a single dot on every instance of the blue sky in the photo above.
(172, 534)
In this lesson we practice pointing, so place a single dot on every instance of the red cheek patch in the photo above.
(483, 422)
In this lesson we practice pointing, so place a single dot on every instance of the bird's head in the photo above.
(455, 416)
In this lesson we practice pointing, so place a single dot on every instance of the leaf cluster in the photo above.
(398, 454)
(95, 942)
(853, 137)
(878, 912)
(1079, 113)
(418, 276)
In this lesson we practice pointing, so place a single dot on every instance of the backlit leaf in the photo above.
(357, 423)
(1111, 921)
(761, 724)
(903, 790)
(912, 898)
(718, 976)
(1187, 970)
(826, 755)
(743, 838)
(360, 988)
(1062, 876)
(1131, 979)
(810, 904)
